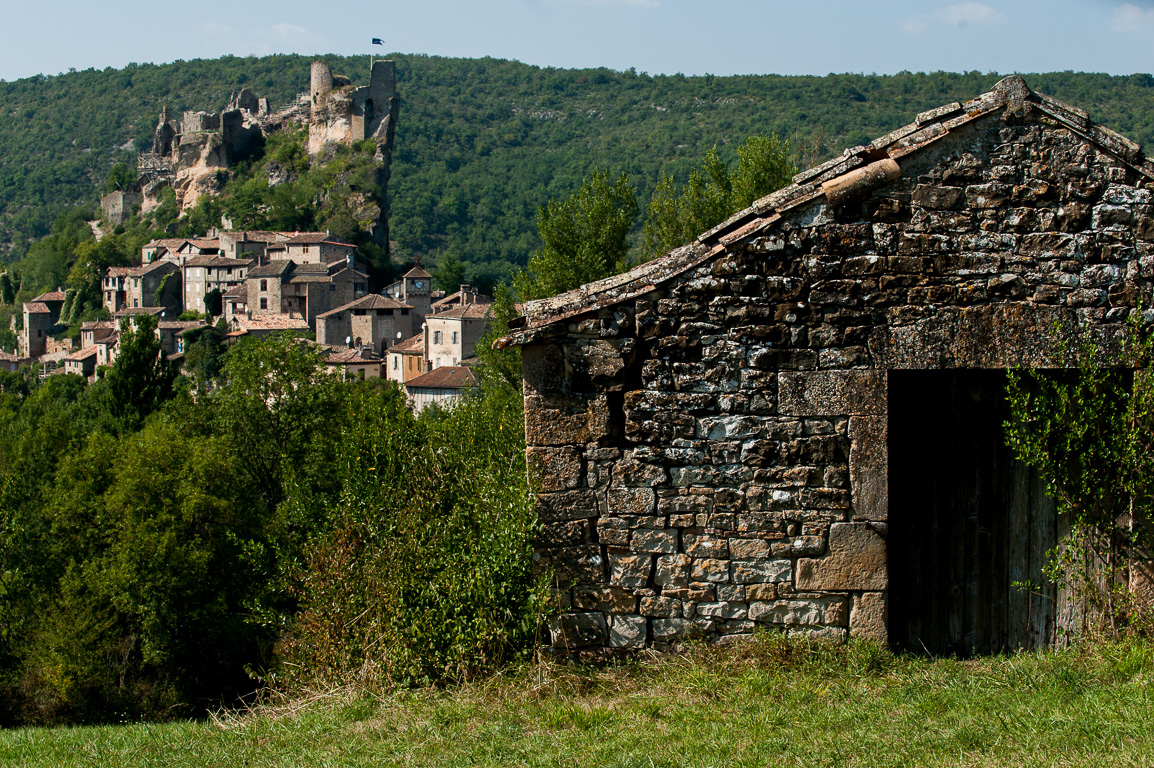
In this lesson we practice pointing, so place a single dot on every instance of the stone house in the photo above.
(304, 290)
(115, 288)
(355, 363)
(440, 386)
(244, 244)
(82, 362)
(143, 283)
(311, 248)
(795, 420)
(203, 274)
(373, 321)
(415, 288)
(452, 335)
(406, 360)
(41, 318)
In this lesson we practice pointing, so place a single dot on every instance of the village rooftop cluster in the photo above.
(308, 284)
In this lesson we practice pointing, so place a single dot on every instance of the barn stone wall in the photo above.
(713, 453)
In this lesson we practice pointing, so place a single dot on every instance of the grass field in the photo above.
(770, 702)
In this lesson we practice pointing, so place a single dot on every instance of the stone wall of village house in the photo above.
(713, 454)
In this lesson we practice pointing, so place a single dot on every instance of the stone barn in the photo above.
(796, 420)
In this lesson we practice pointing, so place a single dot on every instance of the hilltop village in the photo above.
(307, 284)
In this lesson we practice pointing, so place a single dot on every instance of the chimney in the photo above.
(465, 298)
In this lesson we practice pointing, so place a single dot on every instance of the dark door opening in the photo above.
(968, 523)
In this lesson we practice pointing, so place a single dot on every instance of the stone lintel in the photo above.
(832, 393)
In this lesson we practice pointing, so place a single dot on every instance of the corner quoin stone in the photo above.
(856, 561)
(869, 616)
(869, 467)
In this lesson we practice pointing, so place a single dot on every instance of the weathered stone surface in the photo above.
(856, 561)
(556, 469)
(631, 501)
(721, 610)
(661, 607)
(567, 505)
(666, 630)
(627, 631)
(832, 393)
(654, 541)
(672, 571)
(710, 570)
(629, 570)
(606, 599)
(761, 571)
(817, 611)
(869, 467)
(578, 630)
(869, 617)
(748, 549)
(558, 420)
(543, 368)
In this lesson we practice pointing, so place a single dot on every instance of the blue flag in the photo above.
(378, 41)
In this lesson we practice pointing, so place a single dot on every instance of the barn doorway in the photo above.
(967, 520)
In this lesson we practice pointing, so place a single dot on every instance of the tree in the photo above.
(713, 193)
(7, 289)
(141, 377)
(585, 237)
(450, 274)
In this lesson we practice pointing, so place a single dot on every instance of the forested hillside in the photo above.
(483, 142)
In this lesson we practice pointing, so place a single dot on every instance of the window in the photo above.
(136, 302)
(396, 361)
(454, 340)
(264, 285)
(332, 287)
(436, 337)
(359, 287)
(263, 303)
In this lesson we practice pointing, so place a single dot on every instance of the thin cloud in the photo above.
(959, 15)
(963, 14)
(1131, 18)
(626, 3)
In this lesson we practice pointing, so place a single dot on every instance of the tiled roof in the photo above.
(205, 243)
(215, 260)
(36, 307)
(144, 269)
(271, 323)
(171, 243)
(274, 268)
(414, 345)
(445, 377)
(308, 238)
(372, 301)
(239, 292)
(8, 357)
(120, 271)
(181, 325)
(132, 311)
(83, 354)
(469, 311)
(50, 296)
(350, 356)
(251, 235)
(856, 167)
(417, 271)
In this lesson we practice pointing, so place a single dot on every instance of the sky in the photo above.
(721, 37)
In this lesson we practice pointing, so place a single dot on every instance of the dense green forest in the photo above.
(481, 143)
(169, 543)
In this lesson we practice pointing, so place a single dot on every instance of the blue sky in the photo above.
(657, 36)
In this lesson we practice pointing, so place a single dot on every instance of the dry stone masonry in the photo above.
(711, 431)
